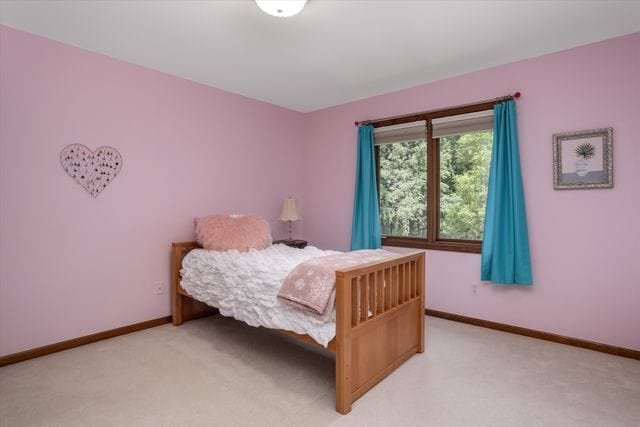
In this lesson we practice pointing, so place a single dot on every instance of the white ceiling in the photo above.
(333, 51)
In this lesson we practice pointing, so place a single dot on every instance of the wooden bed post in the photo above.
(184, 308)
(421, 292)
(176, 265)
(343, 344)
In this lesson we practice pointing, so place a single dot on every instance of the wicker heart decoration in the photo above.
(93, 170)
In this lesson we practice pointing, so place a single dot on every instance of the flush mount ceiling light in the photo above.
(281, 8)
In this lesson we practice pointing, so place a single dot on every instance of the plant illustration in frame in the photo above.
(583, 159)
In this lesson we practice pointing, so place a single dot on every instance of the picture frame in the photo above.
(583, 159)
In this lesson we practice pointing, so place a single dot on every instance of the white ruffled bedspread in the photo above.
(245, 286)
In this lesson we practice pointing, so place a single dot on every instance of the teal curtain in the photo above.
(365, 230)
(505, 246)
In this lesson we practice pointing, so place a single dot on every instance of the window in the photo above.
(433, 176)
(464, 175)
(403, 188)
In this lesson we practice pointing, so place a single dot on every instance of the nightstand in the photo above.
(300, 244)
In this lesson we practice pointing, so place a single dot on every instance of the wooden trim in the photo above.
(357, 393)
(344, 320)
(432, 187)
(441, 245)
(184, 307)
(434, 114)
(199, 315)
(178, 251)
(306, 338)
(390, 315)
(465, 241)
(77, 342)
(547, 336)
(372, 266)
(421, 290)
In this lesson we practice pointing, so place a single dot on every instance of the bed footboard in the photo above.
(379, 323)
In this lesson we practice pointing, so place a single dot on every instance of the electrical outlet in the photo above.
(474, 289)
(158, 288)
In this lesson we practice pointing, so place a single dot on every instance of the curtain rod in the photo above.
(516, 95)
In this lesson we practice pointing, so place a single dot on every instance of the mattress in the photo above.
(245, 286)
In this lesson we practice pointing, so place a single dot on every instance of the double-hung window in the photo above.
(432, 178)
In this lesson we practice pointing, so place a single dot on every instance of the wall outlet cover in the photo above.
(158, 288)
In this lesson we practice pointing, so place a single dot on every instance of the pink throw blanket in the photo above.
(311, 285)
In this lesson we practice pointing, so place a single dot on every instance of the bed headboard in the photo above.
(183, 248)
(184, 307)
(178, 252)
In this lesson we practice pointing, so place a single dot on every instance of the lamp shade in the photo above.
(281, 8)
(289, 210)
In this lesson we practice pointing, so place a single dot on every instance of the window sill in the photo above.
(474, 247)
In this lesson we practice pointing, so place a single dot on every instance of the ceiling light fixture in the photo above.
(281, 8)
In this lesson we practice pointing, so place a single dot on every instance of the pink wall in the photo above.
(71, 265)
(585, 245)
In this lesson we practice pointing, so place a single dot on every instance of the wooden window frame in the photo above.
(433, 239)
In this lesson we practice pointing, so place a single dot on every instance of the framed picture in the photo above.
(583, 159)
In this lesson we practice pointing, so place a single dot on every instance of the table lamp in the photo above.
(289, 213)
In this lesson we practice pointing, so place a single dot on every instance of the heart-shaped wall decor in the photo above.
(93, 170)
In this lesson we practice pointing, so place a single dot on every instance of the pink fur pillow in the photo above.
(240, 232)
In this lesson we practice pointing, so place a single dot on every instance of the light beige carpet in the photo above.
(220, 372)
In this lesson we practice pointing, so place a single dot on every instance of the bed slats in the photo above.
(377, 293)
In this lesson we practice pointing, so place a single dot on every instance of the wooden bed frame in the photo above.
(378, 327)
